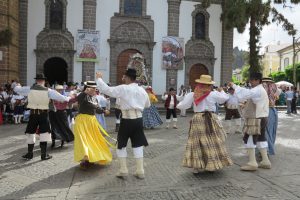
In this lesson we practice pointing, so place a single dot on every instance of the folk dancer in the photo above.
(90, 146)
(38, 101)
(133, 100)
(104, 104)
(232, 116)
(171, 101)
(18, 103)
(256, 112)
(182, 92)
(271, 131)
(59, 123)
(118, 115)
(151, 116)
(205, 149)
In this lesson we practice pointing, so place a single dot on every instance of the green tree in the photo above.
(238, 13)
(289, 72)
(278, 76)
(245, 72)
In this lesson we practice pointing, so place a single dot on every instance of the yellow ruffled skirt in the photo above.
(89, 143)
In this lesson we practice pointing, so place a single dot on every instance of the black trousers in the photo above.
(262, 136)
(40, 121)
(171, 111)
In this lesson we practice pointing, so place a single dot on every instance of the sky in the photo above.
(272, 33)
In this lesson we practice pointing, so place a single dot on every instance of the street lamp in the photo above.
(295, 52)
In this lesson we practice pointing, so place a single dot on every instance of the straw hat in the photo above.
(59, 87)
(267, 79)
(90, 84)
(205, 79)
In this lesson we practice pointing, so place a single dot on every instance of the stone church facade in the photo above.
(48, 30)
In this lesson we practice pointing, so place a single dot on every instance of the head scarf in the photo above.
(272, 92)
(201, 92)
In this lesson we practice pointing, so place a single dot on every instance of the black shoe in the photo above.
(62, 144)
(53, 144)
(45, 157)
(28, 156)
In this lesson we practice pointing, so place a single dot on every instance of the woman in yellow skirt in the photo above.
(89, 145)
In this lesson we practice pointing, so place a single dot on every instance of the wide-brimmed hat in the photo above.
(267, 79)
(40, 77)
(90, 84)
(59, 87)
(205, 79)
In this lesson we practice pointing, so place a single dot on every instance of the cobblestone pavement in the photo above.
(166, 179)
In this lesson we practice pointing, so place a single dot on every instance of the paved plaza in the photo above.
(61, 178)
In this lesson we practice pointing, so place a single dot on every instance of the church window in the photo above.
(56, 14)
(200, 26)
(133, 7)
(286, 62)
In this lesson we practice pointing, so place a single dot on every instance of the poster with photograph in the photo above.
(88, 46)
(172, 52)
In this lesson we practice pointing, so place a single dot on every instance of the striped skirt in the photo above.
(151, 117)
(205, 147)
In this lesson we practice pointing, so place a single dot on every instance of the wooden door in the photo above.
(123, 60)
(196, 71)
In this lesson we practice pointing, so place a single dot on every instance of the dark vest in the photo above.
(168, 100)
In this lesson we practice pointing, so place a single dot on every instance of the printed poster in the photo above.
(172, 52)
(88, 46)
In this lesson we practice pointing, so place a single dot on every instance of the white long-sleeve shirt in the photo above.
(132, 96)
(172, 103)
(52, 94)
(259, 97)
(208, 104)
(232, 102)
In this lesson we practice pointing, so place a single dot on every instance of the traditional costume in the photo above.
(38, 103)
(256, 112)
(232, 114)
(90, 146)
(59, 122)
(118, 115)
(133, 100)
(18, 103)
(205, 149)
(104, 104)
(151, 116)
(171, 101)
(271, 131)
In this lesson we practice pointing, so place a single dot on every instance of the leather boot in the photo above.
(252, 164)
(139, 168)
(29, 155)
(265, 163)
(117, 128)
(44, 155)
(123, 172)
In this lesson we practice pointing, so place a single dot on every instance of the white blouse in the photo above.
(208, 104)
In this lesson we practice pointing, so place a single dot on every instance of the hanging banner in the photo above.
(88, 46)
(172, 52)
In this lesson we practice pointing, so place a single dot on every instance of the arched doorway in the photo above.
(122, 63)
(196, 71)
(56, 70)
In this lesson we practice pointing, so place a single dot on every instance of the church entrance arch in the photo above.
(122, 63)
(196, 71)
(56, 70)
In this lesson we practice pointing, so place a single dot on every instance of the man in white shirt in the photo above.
(289, 94)
(256, 114)
(133, 100)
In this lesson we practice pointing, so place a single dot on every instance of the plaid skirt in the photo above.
(205, 146)
(151, 117)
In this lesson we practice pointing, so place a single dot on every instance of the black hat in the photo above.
(255, 76)
(90, 84)
(40, 77)
(131, 73)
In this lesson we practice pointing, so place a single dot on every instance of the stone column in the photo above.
(23, 14)
(227, 57)
(89, 22)
(173, 30)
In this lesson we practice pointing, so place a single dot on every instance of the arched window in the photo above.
(56, 14)
(200, 26)
(133, 7)
(286, 62)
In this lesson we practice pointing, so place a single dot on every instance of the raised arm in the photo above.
(53, 94)
(22, 90)
(187, 101)
(243, 93)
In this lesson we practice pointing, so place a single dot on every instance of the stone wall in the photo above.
(9, 18)
(227, 56)
(23, 13)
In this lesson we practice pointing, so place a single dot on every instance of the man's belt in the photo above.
(131, 114)
(232, 107)
(37, 111)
